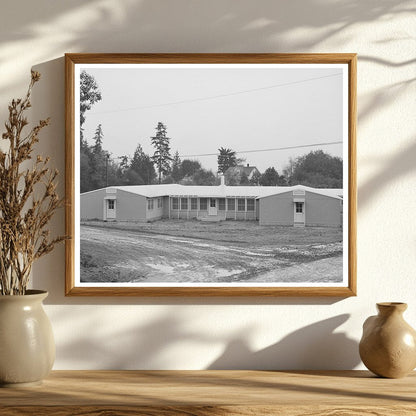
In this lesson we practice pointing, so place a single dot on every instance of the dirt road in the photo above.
(113, 255)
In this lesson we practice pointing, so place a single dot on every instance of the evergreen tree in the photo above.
(121, 170)
(85, 169)
(98, 161)
(226, 159)
(97, 169)
(161, 157)
(98, 139)
(176, 168)
(141, 170)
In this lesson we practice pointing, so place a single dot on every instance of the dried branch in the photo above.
(23, 217)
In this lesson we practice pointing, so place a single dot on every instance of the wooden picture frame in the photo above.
(344, 66)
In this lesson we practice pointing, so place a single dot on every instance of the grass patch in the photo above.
(232, 231)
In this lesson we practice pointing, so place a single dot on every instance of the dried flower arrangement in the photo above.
(28, 199)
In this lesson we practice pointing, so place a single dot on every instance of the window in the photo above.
(250, 204)
(184, 204)
(194, 203)
(212, 202)
(150, 204)
(175, 203)
(299, 207)
(159, 203)
(231, 204)
(203, 204)
(221, 204)
(241, 204)
(111, 204)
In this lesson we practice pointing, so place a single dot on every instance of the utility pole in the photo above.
(106, 169)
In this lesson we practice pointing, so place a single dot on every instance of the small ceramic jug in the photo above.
(388, 344)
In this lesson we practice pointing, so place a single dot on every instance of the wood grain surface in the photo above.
(203, 393)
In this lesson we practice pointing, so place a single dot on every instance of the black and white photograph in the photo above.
(211, 174)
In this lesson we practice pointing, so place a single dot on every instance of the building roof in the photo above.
(221, 191)
(240, 169)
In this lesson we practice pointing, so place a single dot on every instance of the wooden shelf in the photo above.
(203, 393)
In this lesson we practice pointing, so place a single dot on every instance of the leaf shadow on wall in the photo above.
(190, 26)
(152, 345)
(143, 346)
(313, 347)
(396, 167)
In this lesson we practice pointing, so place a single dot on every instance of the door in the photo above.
(212, 209)
(111, 209)
(299, 213)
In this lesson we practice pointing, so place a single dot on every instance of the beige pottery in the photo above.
(388, 345)
(27, 347)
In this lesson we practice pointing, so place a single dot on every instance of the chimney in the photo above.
(222, 180)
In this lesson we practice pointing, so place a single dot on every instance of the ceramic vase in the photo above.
(388, 345)
(27, 347)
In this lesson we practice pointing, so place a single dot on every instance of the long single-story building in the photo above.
(270, 205)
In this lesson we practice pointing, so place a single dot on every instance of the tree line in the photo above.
(99, 169)
(316, 169)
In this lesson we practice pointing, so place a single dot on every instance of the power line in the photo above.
(213, 97)
(267, 150)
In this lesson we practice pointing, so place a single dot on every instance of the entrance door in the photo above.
(299, 213)
(212, 209)
(111, 209)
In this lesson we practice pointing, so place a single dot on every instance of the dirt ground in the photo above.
(193, 251)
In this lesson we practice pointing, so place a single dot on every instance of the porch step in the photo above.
(211, 218)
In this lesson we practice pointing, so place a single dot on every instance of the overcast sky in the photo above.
(205, 108)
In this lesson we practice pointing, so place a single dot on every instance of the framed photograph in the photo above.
(211, 174)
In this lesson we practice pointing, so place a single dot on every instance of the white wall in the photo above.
(197, 333)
